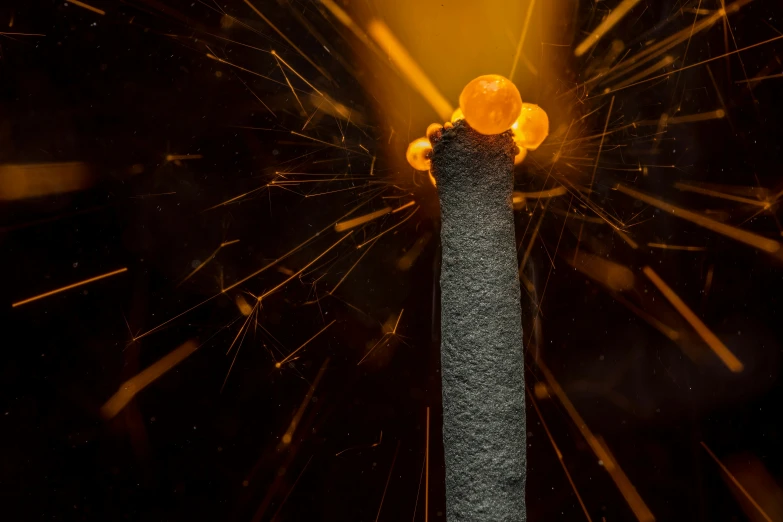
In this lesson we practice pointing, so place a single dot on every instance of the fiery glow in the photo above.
(136, 384)
(88, 7)
(720, 349)
(361, 220)
(490, 103)
(409, 68)
(604, 27)
(42, 179)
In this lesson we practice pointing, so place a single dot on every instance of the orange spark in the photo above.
(677, 247)
(409, 68)
(521, 39)
(714, 193)
(288, 358)
(735, 482)
(625, 237)
(391, 469)
(88, 7)
(134, 385)
(605, 26)
(69, 287)
(286, 440)
(178, 157)
(42, 179)
(749, 238)
(605, 458)
(610, 274)
(361, 220)
(689, 118)
(287, 40)
(554, 445)
(720, 349)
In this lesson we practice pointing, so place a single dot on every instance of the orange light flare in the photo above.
(88, 7)
(33, 180)
(389, 333)
(720, 349)
(601, 451)
(130, 388)
(289, 433)
(279, 364)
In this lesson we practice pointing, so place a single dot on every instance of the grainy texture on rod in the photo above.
(481, 332)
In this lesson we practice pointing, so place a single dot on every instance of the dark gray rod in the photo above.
(481, 330)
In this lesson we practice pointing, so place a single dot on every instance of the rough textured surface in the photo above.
(481, 332)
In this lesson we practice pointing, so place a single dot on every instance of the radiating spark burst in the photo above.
(577, 164)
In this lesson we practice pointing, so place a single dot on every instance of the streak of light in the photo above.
(402, 221)
(625, 237)
(221, 60)
(373, 445)
(605, 26)
(749, 238)
(533, 237)
(708, 60)
(69, 287)
(557, 450)
(720, 349)
(288, 41)
(289, 356)
(601, 451)
(522, 39)
(361, 220)
(735, 482)
(721, 195)
(689, 118)
(406, 262)
(178, 157)
(427, 469)
(331, 292)
(88, 7)
(656, 323)
(403, 207)
(759, 78)
(677, 247)
(207, 260)
(22, 181)
(274, 517)
(280, 58)
(289, 433)
(610, 274)
(409, 68)
(293, 91)
(601, 145)
(391, 469)
(308, 265)
(323, 142)
(20, 34)
(137, 383)
(520, 197)
(666, 60)
(346, 20)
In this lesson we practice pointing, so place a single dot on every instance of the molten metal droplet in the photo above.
(457, 115)
(434, 132)
(418, 154)
(531, 128)
(491, 104)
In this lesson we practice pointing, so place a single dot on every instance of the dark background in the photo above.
(119, 93)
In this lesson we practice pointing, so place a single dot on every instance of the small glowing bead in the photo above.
(418, 154)
(433, 129)
(519, 158)
(531, 128)
(457, 115)
(491, 103)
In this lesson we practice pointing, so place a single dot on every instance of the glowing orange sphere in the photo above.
(491, 103)
(433, 129)
(457, 115)
(531, 128)
(418, 154)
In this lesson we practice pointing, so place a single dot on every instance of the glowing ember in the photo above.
(491, 103)
(531, 127)
(418, 154)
